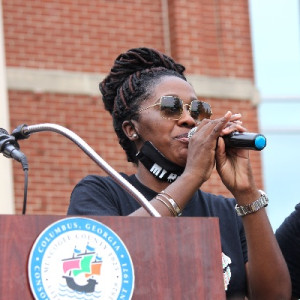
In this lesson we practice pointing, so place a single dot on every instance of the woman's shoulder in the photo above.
(100, 195)
(102, 180)
(99, 186)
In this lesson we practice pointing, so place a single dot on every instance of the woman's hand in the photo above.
(202, 145)
(233, 165)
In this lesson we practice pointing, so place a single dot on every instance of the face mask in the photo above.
(157, 164)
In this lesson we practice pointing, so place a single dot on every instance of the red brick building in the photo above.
(56, 53)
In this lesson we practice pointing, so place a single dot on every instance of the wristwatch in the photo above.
(253, 207)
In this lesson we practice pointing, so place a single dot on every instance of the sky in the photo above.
(275, 26)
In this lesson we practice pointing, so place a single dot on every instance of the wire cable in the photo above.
(25, 190)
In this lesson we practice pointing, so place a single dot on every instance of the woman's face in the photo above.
(166, 135)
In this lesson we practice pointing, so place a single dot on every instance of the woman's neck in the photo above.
(147, 179)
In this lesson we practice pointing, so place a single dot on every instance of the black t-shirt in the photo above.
(96, 195)
(288, 237)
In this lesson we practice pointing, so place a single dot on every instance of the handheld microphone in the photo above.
(245, 140)
(9, 146)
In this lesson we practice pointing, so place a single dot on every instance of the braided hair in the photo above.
(131, 81)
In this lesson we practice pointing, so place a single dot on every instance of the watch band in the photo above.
(253, 207)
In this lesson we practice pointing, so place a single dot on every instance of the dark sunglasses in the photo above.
(171, 108)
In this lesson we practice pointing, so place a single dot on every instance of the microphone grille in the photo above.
(2, 130)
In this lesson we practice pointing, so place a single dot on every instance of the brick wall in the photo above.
(210, 38)
(78, 35)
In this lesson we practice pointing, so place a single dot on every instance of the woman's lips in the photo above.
(182, 138)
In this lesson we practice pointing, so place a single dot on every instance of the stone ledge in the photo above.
(67, 82)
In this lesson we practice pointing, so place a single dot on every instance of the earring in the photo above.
(134, 136)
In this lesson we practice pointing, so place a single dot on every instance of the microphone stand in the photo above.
(23, 132)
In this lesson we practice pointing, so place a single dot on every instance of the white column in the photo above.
(6, 174)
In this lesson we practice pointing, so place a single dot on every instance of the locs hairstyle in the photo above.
(131, 80)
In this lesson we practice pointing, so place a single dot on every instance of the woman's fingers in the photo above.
(231, 127)
(235, 117)
(220, 127)
(210, 128)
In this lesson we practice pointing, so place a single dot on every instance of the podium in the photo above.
(173, 258)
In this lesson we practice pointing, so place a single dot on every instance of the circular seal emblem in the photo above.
(80, 258)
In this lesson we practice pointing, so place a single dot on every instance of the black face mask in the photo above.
(158, 165)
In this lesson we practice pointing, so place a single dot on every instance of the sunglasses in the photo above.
(171, 108)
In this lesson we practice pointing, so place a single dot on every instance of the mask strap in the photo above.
(157, 164)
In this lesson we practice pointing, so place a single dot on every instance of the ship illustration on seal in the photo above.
(84, 265)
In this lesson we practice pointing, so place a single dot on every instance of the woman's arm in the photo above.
(267, 272)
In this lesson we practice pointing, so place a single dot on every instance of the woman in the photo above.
(153, 109)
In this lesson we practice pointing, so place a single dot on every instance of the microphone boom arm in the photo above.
(24, 131)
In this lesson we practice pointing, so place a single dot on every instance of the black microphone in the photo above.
(245, 140)
(9, 146)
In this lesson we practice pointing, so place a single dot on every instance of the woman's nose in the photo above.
(186, 118)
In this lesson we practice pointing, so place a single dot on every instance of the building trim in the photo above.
(68, 82)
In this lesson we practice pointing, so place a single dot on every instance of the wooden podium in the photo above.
(173, 258)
